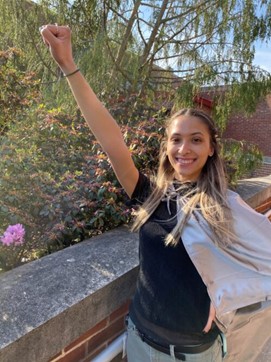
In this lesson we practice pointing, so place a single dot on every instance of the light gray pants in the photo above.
(139, 351)
(249, 335)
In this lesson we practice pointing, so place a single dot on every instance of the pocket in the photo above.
(129, 324)
(131, 328)
(220, 349)
(124, 345)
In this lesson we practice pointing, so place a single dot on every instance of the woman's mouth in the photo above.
(185, 161)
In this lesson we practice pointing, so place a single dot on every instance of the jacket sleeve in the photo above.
(239, 275)
(253, 231)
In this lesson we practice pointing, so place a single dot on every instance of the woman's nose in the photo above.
(184, 148)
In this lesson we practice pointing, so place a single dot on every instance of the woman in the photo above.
(197, 265)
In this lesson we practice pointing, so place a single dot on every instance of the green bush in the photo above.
(19, 90)
(57, 182)
(55, 179)
(50, 181)
(241, 158)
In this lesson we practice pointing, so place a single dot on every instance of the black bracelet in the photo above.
(72, 73)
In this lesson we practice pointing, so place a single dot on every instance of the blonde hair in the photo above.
(209, 196)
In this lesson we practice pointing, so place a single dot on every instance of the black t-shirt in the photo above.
(171, 303)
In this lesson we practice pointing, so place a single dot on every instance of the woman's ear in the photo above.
(211, 151)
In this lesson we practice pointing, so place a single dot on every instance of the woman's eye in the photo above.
(175, 140)
(197, 140)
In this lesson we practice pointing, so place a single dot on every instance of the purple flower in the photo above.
(13, 235)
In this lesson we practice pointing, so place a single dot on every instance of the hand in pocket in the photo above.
(210, 319)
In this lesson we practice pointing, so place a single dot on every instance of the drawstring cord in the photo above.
(173, 194)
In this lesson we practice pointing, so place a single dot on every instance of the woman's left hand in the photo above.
(210, 319)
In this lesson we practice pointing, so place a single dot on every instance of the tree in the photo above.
(139, 46)
(210, 42)
(19, 28)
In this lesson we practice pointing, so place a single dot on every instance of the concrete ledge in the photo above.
(47, 304)
(255, 190)
(267, 159)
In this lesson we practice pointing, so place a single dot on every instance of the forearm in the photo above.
(100, 121)
(105, 129)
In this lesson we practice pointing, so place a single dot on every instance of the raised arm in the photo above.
(101, 123)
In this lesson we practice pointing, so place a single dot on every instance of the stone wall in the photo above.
(68, 306)
(49, 307)
(264, 169)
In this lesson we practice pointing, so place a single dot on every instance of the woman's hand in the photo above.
(210, 319)
(58, 39)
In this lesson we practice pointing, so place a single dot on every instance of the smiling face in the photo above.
(188, 147)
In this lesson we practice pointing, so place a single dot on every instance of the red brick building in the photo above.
(255, 128)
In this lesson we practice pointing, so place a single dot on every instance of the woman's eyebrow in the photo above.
(190, 134)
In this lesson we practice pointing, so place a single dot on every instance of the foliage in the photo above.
(49, 182)
(241, 158)
(19, 27)
(227, 100)
(139, 57)
(57, 182)
(140, 47)
(18, 89)
(206, 43)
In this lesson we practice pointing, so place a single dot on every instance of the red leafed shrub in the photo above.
(19, 90)
(58, 183)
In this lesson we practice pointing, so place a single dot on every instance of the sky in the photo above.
(263, 55)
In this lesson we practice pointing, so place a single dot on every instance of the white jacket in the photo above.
(236, 277)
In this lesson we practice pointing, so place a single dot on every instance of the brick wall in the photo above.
(264, 207)
(78, 310)
(255, 128)
(94, 341)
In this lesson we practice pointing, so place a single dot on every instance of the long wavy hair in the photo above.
(207, 196)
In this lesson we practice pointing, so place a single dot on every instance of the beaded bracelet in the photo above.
(72, 73)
